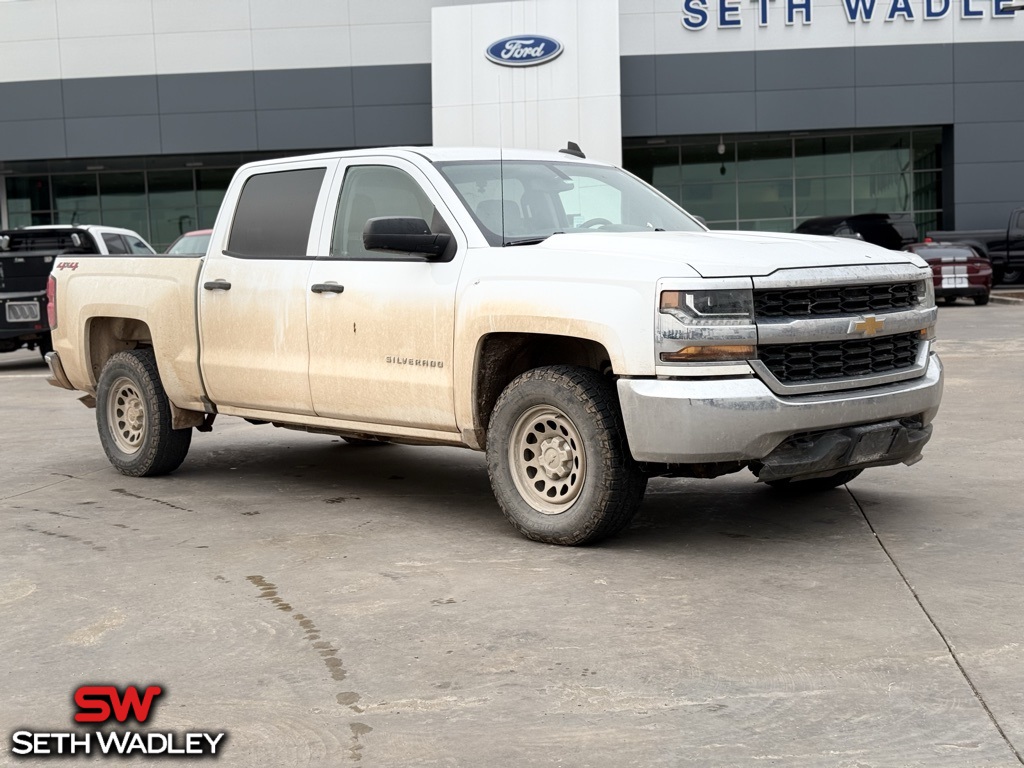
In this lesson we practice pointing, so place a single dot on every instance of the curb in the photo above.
(999, 298)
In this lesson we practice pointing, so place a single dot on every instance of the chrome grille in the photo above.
(835, 300)
(850, 358)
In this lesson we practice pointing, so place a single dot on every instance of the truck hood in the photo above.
(728, 254)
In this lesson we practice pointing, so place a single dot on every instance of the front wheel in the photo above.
(1013, 275)
(557, 457)
(134, 417)
(815, 484)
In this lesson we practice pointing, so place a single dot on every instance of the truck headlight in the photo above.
(709, 307)
(926, 293)
(706, 325)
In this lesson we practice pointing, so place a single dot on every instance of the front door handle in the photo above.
(327, 288)
(217, 285)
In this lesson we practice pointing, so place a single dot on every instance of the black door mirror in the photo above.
(404, 234)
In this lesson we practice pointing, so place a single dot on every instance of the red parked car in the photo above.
(196, 241)
(957, 270)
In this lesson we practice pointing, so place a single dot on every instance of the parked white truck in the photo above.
(556, 312)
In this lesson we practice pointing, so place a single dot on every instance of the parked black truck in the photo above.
(1004, 247)
(26, 257)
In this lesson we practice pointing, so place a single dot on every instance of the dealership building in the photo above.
(754, 114)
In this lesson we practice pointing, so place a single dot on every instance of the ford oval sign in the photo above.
(523, 50)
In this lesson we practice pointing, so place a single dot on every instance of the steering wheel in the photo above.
(593, 223)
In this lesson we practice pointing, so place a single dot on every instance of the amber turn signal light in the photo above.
(715, 353)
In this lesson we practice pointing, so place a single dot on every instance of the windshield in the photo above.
(190, 244)
(542, 198)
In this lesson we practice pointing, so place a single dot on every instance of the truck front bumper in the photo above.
(679, 421)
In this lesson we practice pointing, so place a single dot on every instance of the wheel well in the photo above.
(109, 335)
(503, 356)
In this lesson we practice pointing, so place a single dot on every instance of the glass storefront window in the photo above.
(882, 193)
(823, 156)
(823, 197)
(927, 150)
(766, 199)
(881, 153)
(765, 160)
(172, 206)
(119, 191)
(773, 181)
(76, 199)
(767, 225)
(28, 193)
(928, 191)
(207, 216)
(211, 184)
(16, 220)
(154, 196)
(135, 220)
(706, 163)
(715, 202)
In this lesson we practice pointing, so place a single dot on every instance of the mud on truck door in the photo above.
(252, 291)
(381, 322)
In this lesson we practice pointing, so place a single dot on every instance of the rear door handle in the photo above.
(327, 288)
(217, 285)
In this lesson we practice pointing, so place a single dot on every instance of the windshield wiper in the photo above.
(530, 240)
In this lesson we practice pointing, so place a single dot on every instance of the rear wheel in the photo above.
(815, 484)
(134, 417)
(558, 460)
(948, 300)
(1013, 275)
(981, 300)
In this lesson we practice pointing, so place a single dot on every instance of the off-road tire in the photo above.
(134, 417)
(815, 484)
(573, 414)
(981, 300)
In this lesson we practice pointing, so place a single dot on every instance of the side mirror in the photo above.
(405, 234)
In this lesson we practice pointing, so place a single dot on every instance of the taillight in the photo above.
(51, 302)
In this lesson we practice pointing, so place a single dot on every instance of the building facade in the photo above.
(754, 114)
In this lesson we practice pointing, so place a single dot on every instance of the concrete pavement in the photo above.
(333, 605)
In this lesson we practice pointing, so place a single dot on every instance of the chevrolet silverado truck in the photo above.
(555, 312)
(1003, 247)
(26, 257)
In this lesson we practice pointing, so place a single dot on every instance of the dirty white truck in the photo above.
(555, 312)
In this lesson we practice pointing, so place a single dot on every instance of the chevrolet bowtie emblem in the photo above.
(869, 326)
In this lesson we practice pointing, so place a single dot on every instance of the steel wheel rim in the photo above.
(547, 459)
(126, 415)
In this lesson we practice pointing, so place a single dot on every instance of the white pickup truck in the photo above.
(556, 312)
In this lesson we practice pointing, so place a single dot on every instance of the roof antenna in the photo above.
(572, 148)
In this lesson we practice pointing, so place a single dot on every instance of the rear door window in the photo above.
(135, 245)
(115, 245)
(274, 214)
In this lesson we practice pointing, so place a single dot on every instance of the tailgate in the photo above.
(23, 293)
